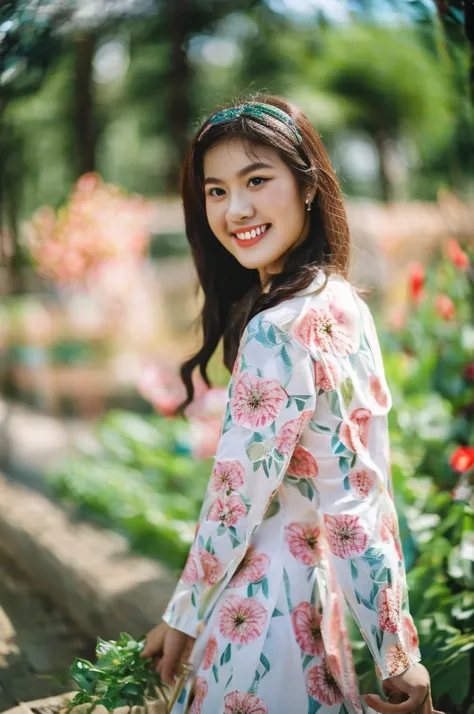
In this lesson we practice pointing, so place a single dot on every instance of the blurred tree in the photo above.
(391, 99)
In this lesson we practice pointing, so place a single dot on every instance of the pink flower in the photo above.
(322, 686)
(208, 404)
(416, 282)
(390, 604)
(346, 535)
(410, 635)
(227, 510)
(290, 433)
(190, 573)
(204, 437)
(377, 391)
(256, 402)
(227, 476)
(209, 653)
(389, 531)
(252, 568)
(162, 387)
(327, 375)
(303, 542)
(456, 255)
(212, 566)
(302, 464)
(396, 660)
(306, 620)
(445, 308)
(354, 433)
(200, 692)
(241, 620)
(326, 330)
(244, 703)
(361, 482)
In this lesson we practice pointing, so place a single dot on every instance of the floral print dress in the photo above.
(298, 527)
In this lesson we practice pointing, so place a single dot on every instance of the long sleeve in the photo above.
(356, 499)
(271, 398)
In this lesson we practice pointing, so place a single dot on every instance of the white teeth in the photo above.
(253, 233)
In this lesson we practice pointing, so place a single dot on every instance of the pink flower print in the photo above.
(322, 686)
(256, 402)
(389, 531)
(252, 568)
(346, 535)
(390, 605)
(302, 464)
(354, 433)
(377, 391)
(237, 366)
(227, 476)
(200, 693)
(396, 660)
(303, 542)
(209, 653)
(327, 375)
(325, 330)
(190, 573)
(213, 569)
(241, 620)
(244, 703)
(227, 510)
(361, 482)
(290, 433)
(306, 620)
(410, 635)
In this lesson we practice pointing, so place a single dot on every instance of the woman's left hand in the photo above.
(170, 647)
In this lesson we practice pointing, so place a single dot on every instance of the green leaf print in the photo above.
(287, 589)
(337, 447)
(234, 537)
(334, 403)
(378, 634)
(265, 662)
(313, 705)
(345, 466)
(193, 598)
(354, 571)
(374, 593)
(369, 605)
(228, 681)
(277, 613)
(265, 588)
(256, 451)
(306, 660)
(319, 428)
(347, 485)
(271, 335)
(221, 530)
(215, 672)
(265, 469)
(226, 655)
(347, 391)
(286, 359)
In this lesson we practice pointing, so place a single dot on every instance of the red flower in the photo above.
(417, 282)
(462, 459)
(469, 372)
(444, 307)
(457, 256)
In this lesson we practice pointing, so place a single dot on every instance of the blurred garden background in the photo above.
(98, 99)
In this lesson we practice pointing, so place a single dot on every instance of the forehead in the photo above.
(227, 156)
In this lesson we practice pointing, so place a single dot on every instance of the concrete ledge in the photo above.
(89, 572)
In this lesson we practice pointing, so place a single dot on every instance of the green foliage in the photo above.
(143, 482)
(120, 677)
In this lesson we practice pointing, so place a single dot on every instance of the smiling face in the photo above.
(253, 204)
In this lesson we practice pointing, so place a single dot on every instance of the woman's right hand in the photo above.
(409, 693)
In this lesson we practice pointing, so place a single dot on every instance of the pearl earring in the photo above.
(308, 204)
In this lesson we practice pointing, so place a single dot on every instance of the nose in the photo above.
(239, 207)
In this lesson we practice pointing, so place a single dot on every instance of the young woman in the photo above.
(298, 519)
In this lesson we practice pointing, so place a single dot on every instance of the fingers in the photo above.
(406, 707)
(154, 641)
(173, 650)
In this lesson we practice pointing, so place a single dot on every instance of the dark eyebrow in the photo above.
(242, 172)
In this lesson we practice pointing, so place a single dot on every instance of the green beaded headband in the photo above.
(252, 110)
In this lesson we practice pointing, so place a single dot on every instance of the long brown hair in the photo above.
(232, 293)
